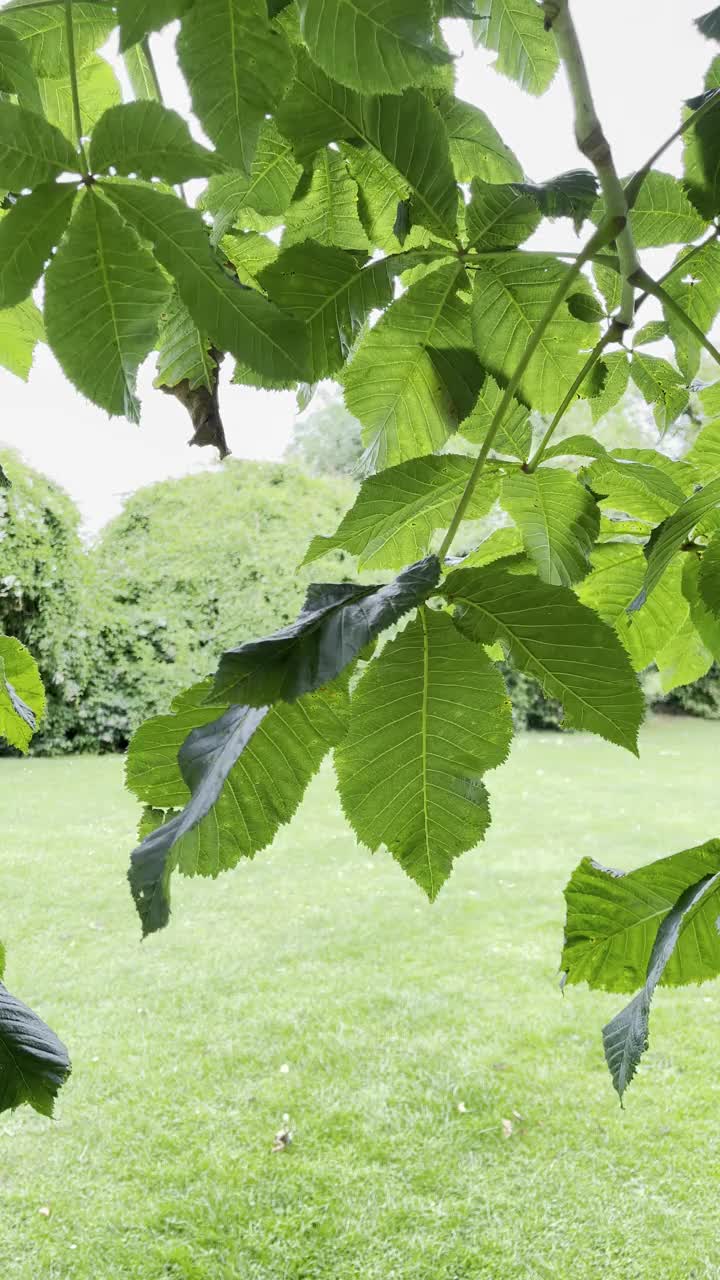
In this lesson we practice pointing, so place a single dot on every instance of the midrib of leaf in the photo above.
(362, 133)
(233, 48)
(423, 736)
(472, 604)
(109, 298)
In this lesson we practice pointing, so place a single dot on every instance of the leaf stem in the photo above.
(608, 230)
(612, 334)
(77, 118)
(651, 286)
(594, 145)
(633, 186)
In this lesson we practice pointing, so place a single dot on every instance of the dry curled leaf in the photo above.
(507, 1128)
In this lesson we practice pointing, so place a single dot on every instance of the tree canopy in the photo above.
(405, 271)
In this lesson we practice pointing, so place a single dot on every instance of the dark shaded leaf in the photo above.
(336, 623)
(34, 1064)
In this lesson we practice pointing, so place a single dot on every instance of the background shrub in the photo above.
(44, 601)
(190, 567)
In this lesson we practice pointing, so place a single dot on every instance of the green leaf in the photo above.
(29, 232)
(22, 697)
(140, 74)
(499, 216)
(654, 331)
(245, 772)
(618, 572)
(702, 152)
(237, 67)
(21, 328)
(661, 386)
(408, 131)
(709, 577)
(328, 211)
(662, 213)
(610, 284)
(476, 148)
(558, 519)
(237, 320)
(585, 307)
(98, 89)
(146, 139)
(16, 71)
(705, 453)
(613, 919)
(394, 387)
(636, 488)
(398, 510)
(695, 288)
(250, 253)
(336, 623)
(332, 292)
(499, 544)
(429, 717)
(31, 150)
(626, 1037)
(514, 438)
(670, 535)
(575, 446)
(709, 24)
(375, 46)
(43, 33)
(34, 1064)
(704, 620)
(184, 355)
(569, 195)
(514, 29)
(558, 641)
(685, 659)
(509, 298)
(138, 18)
(267, 192)
(103, 297)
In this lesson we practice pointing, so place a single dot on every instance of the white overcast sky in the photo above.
(644, 57)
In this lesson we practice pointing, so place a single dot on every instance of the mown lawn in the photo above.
(317, 982)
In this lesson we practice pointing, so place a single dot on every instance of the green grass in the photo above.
(388, 1014)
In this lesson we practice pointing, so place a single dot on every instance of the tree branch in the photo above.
(594, 145)
(608, 230)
